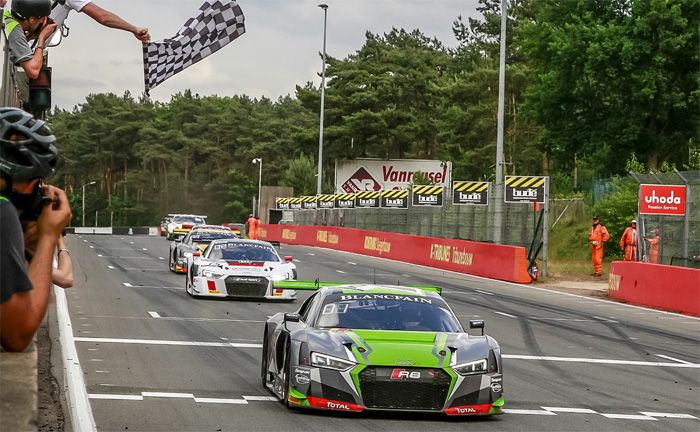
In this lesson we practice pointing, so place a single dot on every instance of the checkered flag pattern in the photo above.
(217, 23)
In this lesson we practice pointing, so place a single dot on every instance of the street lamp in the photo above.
(86, 184)
(498, 195)
(323, 98)
(259, 160)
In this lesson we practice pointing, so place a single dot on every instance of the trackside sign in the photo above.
(662, 199)
(373, 175)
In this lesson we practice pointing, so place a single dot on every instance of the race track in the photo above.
(155, 359)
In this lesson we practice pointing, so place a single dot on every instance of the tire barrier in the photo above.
(502, 262)
(670, 288)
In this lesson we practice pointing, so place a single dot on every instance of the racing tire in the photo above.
(287, 370)
(263, 363)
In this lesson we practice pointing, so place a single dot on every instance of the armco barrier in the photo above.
(659, 286)
(507, 263)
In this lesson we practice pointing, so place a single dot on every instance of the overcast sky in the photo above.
(279, 50)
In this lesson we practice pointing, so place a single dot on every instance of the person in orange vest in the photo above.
(597, 236)
(654, 240)
(252, 225)
(628, 242)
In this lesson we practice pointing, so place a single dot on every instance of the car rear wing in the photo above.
(315, 285)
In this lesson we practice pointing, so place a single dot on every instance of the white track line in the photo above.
(168, 342)
(570, 410)
(168, 395)
(504, 314)
(672, 359)
(668, 415)
(76, 394)
(221, 401)
(154, 314)
(525, 411)
(340, 271)
(628, 417)
(484, 292)
(127, 284)
(600, 361)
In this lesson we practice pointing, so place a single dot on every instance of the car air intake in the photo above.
(246, 286)
(404, 388)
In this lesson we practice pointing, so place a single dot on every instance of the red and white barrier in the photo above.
(659, 286)
(508, 263)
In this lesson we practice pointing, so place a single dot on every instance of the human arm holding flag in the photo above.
(109, 19)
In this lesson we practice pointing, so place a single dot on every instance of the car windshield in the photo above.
(188, 219)
(243, 252)
(210, 236)
(387, 312)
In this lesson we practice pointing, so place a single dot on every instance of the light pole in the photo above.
(86, 184)
(323, 99)
(259, 160)
(498, 196)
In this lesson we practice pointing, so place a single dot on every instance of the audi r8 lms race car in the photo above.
(181, 224)
(375, 347)
(239, 269)
(196, 240)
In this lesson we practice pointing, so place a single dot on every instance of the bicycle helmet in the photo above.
(27, 146)
(24, 9)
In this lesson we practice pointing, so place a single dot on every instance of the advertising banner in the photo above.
(367, 199)
(282, 203)
(525, 189)
(325, 201)
(428, 196)
(397, 199)
(295, 203)
(359, 175)
(344, 201)
(308, 202)
(657, 199)
(474, 193)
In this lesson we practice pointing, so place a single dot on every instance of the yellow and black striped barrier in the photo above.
(525, 189)
(367, 199)
(308, 202)
(474, 193)
(346, 200)
(282, 203)
(397, 199)
(325, 201)
(428, 196)
(295, 203)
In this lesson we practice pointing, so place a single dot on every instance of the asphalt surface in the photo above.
(155, 359)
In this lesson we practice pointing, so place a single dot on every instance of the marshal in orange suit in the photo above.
(597, 236)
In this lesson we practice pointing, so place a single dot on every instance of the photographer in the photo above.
(27, 20)
(62, 274)
(27, 155)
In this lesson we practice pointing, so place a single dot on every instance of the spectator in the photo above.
(597, 236)
(27, 155)
(654, 240)
(27, 20)
(628, 242)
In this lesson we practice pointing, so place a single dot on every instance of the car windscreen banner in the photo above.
(343, 201)
(295, 203)
(367, 199)
(397, 199)
(325, 201)
(655, 199)
(427, 196)
(525, 189)
(308, 202)
(474, 193)
(282, 203)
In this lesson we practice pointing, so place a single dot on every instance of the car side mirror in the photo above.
(292, 317)
(196, 254)
(477, 324)
(287, 258)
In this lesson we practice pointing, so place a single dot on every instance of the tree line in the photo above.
(588, 84)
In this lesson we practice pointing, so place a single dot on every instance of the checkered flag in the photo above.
(218, 23)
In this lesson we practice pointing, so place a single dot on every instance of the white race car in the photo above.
(238, 268)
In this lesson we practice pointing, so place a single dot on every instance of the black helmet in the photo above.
(34, 154)
(24, 9)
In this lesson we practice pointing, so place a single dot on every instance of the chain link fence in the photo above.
(673, 240)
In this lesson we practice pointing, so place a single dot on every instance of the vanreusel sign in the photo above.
(476, 193)
(343, 201)
(325, 201)
(397, 199)
(662, 199)
(282, 203)
(427, 196)
(525, 189)
(367, 199)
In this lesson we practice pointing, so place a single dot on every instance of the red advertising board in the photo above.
(662, 199)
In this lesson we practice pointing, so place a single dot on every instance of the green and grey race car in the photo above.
(376, 347)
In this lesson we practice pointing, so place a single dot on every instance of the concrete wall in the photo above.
(267, 199)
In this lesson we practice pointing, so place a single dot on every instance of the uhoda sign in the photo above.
(662, 199)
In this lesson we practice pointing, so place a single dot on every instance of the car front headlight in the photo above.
(211, 274)
(330, 362)
(471, 368)
(280, 277)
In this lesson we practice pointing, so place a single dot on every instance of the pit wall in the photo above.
(670, 288)
(507, 263)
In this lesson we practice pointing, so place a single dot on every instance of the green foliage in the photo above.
(617, 209)
(301, 176)
(633, 165)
